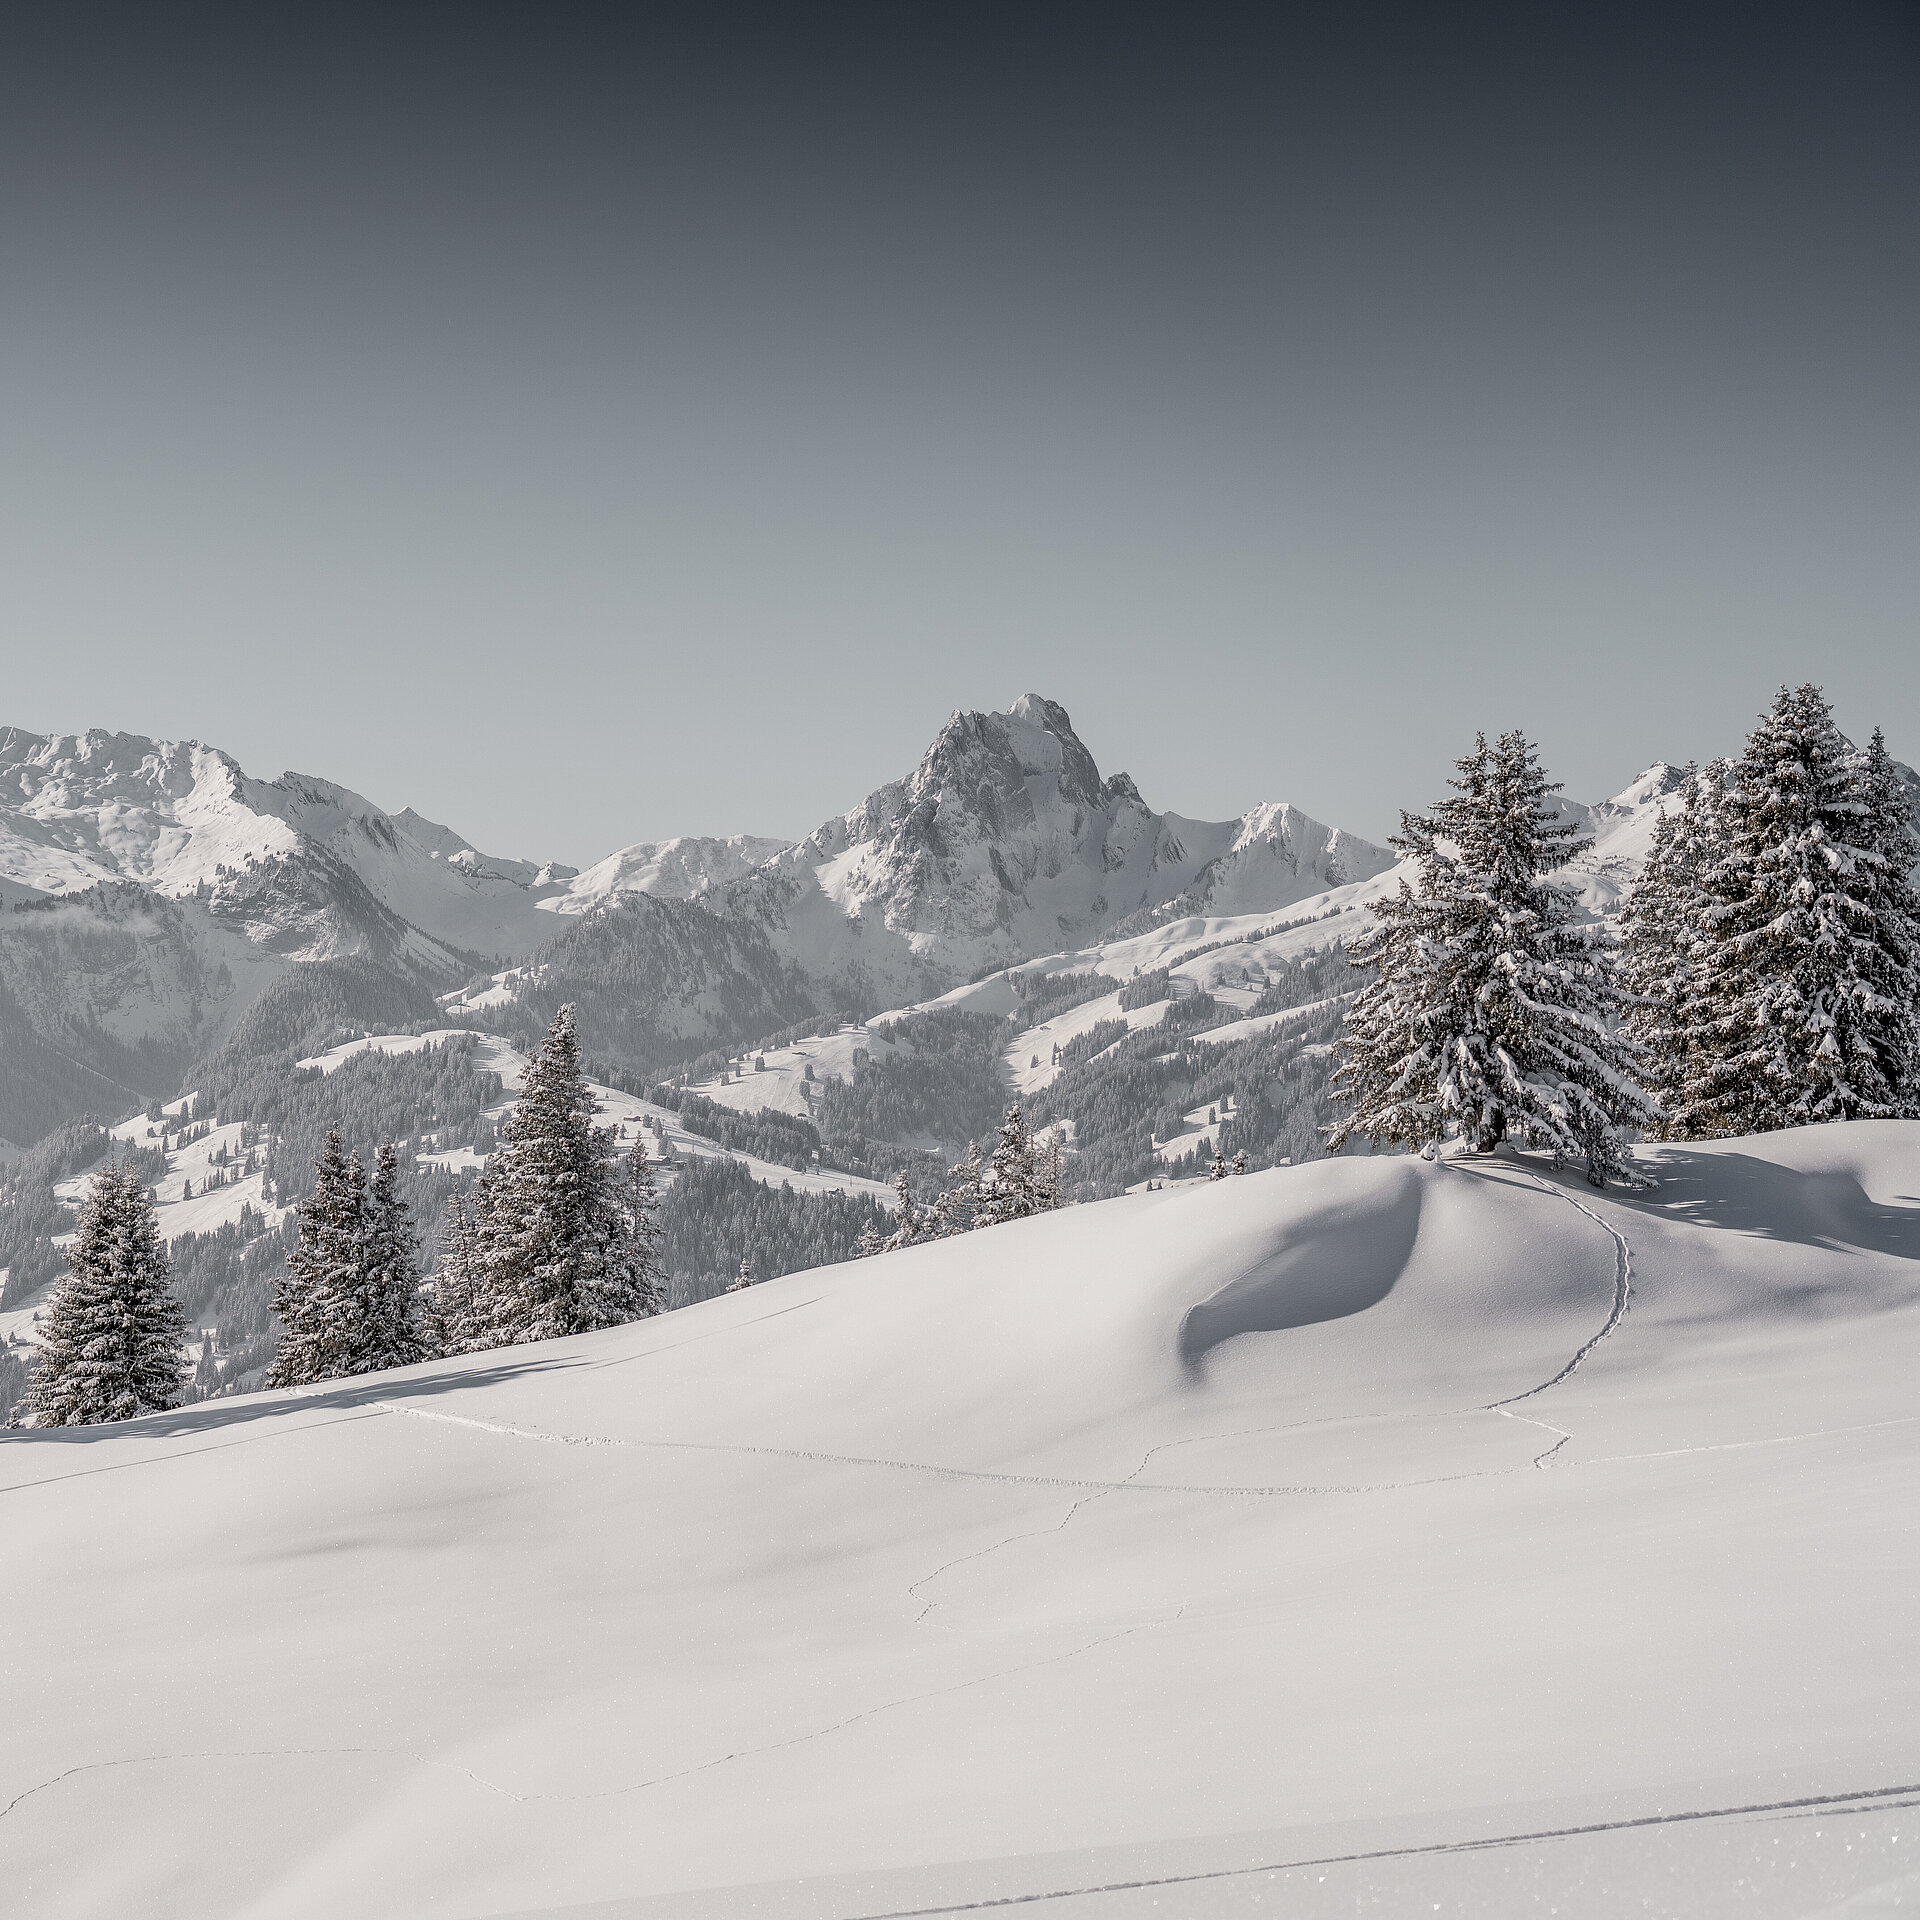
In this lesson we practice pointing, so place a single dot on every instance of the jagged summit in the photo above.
(1006, 842)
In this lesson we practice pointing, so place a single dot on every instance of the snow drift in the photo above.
(1360, 1515)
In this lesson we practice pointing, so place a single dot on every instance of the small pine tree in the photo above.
(562, 1234)
(1218, 1170)
(1241, 1163)
(1492, 1010)
(111, 1336)
(908, 1227)
(1053, 1172)
(869, 1243)
(1013, 1187)
(634, 1285)
(742, 1280)
(319, 1297)
(962, 1207)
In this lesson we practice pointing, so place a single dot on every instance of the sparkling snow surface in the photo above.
(1283, 1545)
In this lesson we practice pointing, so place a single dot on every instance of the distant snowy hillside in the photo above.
(106, 1000)
(682, 869)
(1374, 1537)
(632, 1117)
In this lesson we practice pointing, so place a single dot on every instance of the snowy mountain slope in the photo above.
(680, 869)
(294, 863)
(632, 1116)
(105, 999)
(781, 1084)
(655, 980)
(1359, 1515)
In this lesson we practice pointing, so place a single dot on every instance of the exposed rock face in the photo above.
(1006, 843)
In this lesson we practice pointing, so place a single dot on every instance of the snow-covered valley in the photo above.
(1372, 1536)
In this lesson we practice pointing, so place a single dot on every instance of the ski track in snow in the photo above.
(1874, 1799)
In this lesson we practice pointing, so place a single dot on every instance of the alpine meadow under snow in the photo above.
(1279, 1544)
(852, 1379)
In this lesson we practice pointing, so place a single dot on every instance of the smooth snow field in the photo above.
(1371, 1537)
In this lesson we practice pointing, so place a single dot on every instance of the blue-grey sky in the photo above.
(587, 425)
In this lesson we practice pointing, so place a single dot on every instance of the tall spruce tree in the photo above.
(1891, 1018)
(319, 1297)
(451, 1314)
(1808, 979)
(112, 1333)
(1666, 934)
(389, 1333)
(563, 1235)
(638, 1287)
(1492, 1011)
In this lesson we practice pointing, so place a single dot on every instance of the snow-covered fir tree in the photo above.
(1024, 1176)
(1666, 936)
(389, 1333)
(1809, 976)
(742, 1280)
(320, 1297)
(1015, 1184)
(561, 1241)
(1492, 1011)
(1241, 1164)
(1218, 1170)
(962, 1206)
(869, 1243)
(908, 1226)
(112, 1333)
(452, 1303)
(640, 1281)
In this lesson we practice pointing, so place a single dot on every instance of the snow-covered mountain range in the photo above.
(1004, 843)
(150, 891)
(155, 888)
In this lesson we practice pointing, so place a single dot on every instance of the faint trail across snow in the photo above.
(1622, 1292)
(1622, 1295)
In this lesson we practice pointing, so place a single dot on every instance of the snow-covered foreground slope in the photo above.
(1357, 1515)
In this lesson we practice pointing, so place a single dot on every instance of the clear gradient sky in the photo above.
(587, 425)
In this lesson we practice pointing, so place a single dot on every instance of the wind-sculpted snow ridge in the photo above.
(1181, 1549)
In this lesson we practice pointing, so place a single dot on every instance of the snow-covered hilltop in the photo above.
(1374, 1536)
